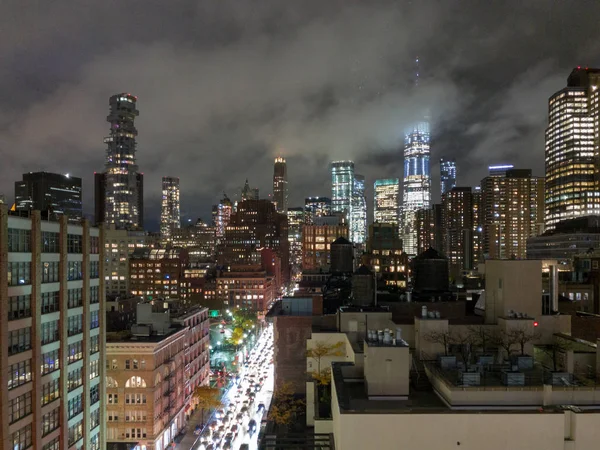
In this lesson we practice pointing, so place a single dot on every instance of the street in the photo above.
(237, 425)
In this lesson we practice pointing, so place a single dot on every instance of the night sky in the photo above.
(224, 86)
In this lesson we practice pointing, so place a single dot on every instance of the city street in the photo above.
(237, 425)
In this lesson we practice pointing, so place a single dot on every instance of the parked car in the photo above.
(252, 426)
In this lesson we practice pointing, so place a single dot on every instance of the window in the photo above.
(19, 307)
(74, 271)
(50, 421)
(94, 320)
(19, 240)
(111, 382)
(74, 297)
(114, 364)
(74, 379)
(19, 407)
(19, 273)
(50, 362)
(94, 344)
(74, 243)
(20, 373)
(21, 439)
(50, 272)
(75, 352)
(135, 416)
(50, 391)
(135, 433)
(95, 419)
(113, 399)
(19, 340)
(127, 364)
(135, 399)
(54, 444)
(75, 432)
(113, 416)
(94, 394)
(75, 324)
(94, 269)
(135, 382)
(94, 245)
(75, 406)
(50, 302)
(94, 369)
(50, 242)
(94, 295)
(50, 332)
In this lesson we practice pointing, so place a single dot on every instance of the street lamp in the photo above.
(219, 343)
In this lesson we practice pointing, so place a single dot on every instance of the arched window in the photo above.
(111, 383)
(135, 382)
(157, 380)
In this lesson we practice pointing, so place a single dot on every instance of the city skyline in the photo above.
(55, 103)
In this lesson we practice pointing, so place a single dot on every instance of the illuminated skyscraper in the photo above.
(280, 185)
(447, 174)
(295, 217)
(119, 190)
(342, 186)
(387, 201)
(222, 215)
(573, 149)
(417, 182)
(316, 207)
(170, 217)
(358, 211)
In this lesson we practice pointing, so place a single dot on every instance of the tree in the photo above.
(506, 340)
(522, 336)
(318, 352)
(444, 338)
(237, 335)
(207, 398)
(285, 406)
(464, 341)
(555, 350)
(481, 336)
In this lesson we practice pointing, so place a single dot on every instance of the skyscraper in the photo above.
(342, 186)
(358, 211)
(55, 193)
(573, 149)
(429, 224)
(222, 215)
(280, 185)
(295, 217)
(512, 210)
(249, 193)
(170, 216)
(387, 201)
(316, 207)
(457, 216)
(417, 182)
(499, 170)
(447, 174)
(119, 190)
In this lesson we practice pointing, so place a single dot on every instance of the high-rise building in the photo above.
(198, 239)
(447, 174)
(387, 201)
(280, 185)
(457, 216)
(52, 303)
(316, 207)
(316, 244)
(499, 170)
(417, 182)
(512, 210)
(158, 273)
(55, 193)
(249, 193)
(295, 224)
(429, 222)
(342, 186)
(222, 215)
(573, 149)
(170, 216)
(358, 211)
(119, 189)
(385, 256)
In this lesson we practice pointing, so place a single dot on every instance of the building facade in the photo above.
(280, 185)
(52, 332)
(158, 273)
(55, 193)
(119, 190)
(385, 255)
(316, 207)
(417, 182)
(457, 226)
(512, 210)
(170, 216)
(386, 205)
(198, 239)
(296, 217)
(316, 245)
(246, 287)
(447, 174)
(222, 215)
(358, 211)
(342, 187)
(429, 228)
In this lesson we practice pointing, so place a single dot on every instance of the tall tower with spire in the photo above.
(417, 177)
(249, 193)
(280, 185)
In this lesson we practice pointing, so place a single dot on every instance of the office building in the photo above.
(316, 244)
(198, 239)
(54, 193)
(342, 187)
(358, 211)
(158, 273)
(384, 255)
(119, 190)
(295, 225)
(53, 334)
(152, 369)
(512, 210)
(222, 215)
(386, 205)
(316, 207)
(170, 216)
(247, 287)
(447, 174)
(417, 182)
(499, 170)
(280, 185)
(572, 149)
(477, 199)
(457, 226)
(119, 245)
(429, 223)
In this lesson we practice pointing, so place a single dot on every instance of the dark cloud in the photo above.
(225, 86)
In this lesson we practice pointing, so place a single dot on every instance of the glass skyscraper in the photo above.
(417, 182)
(573, 149)
(342, 185)
(447, 174)
(358, 211)
(387, 201)
(170, 217)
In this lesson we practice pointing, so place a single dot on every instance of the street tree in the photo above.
(207, 398)
(323, 350)
(285, 407)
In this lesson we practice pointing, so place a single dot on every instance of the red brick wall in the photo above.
(290, 335)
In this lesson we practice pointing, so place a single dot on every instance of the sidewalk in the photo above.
(190, 438)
